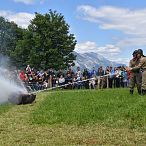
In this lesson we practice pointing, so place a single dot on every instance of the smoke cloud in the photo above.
(10, 83)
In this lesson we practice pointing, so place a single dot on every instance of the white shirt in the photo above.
(61, 80)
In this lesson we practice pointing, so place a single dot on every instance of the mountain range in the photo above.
(92, 59)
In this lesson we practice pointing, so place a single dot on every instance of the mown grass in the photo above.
(114, 108)
(91, 117)
(4, 108)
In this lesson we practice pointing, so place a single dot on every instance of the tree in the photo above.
(47, 43)
(21, 55)
(10, 33)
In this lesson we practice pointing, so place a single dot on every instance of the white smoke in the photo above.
(9, 81)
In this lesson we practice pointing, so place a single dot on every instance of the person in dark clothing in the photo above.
(111, 77)
(60, 72)
(86, 75)
(136, 76)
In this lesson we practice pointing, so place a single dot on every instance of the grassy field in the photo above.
(4, 108)
(76, 117)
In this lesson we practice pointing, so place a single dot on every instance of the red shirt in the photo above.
(22, 76)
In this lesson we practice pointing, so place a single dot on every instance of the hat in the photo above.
(135, 52)
(140, 51)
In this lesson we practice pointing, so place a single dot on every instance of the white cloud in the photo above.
(27, 2)
(121, 60)
(86, 47)
(128, 21)
(108, 50)
(42, 1)
(128, 42)
(131, 22)
(21, 18)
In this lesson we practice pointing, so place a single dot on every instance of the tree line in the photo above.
(45, 43)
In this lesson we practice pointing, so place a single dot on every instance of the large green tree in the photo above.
(47, 43)
(10, 33)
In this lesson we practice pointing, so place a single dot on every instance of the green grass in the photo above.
(4, 108)
(77, 117)
(114, 108)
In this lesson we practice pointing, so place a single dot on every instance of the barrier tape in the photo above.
(48, 89)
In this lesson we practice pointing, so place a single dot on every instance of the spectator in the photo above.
(111, 77)
(60, 72)
(93, 73)
(100, 73)
(61, 80)
(68, 80)
(125, 78)
(28, 69)
(22, 76)
(117, 78)
(86, 76)
(78, 72)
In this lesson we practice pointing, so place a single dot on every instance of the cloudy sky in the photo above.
(112, 28)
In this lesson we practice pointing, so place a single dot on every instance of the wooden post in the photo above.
(107, 82)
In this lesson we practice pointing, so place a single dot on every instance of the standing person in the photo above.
(50, 77)
(100, 74)
(135, 77)
(111, 76)
(86, 76)
(141, 65)
(125, 78)
(93, 73)
(114, 80)
(117, 77)
(28, 69)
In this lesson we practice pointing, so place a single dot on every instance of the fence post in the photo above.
(107, 82)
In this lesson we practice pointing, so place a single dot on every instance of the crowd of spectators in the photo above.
(75, 79)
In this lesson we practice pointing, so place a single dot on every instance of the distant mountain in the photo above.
(92, 59)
